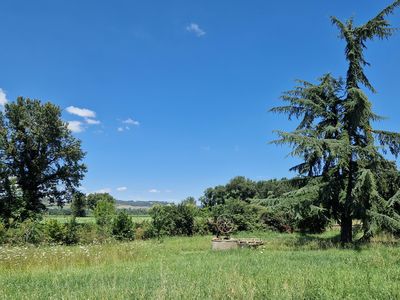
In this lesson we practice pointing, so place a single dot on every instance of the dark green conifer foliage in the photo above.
(337, 143)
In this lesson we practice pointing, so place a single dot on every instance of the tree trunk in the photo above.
(346, 228)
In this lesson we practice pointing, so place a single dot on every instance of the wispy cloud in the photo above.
(127, 123)
(154, 191)
(92, 121)
(75, 126)
(3, 97)
(122, 189)
(131, 122)
(81, 112)
(195, 28)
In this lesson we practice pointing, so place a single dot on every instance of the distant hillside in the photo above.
(139, 204)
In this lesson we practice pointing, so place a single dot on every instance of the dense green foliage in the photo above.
(337, 143)
(122, 227)
(174, 219)
(78, 205)
(39, 159)
(245, 189)
(94, 198)
(104, 213)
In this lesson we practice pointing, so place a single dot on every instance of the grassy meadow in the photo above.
(90, 219)
(288, 266)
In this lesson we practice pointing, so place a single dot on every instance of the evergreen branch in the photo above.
(389, 139)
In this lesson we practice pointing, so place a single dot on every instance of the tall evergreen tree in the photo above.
(336, 140)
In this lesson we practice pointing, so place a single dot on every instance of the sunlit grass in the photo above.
(89, 219)
(288, 266)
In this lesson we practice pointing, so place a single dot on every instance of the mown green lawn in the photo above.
(289, 266)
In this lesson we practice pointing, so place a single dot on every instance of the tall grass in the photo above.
(287, 267)
(90, 219)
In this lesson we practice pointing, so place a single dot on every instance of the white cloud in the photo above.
(154, 191)
(92, 121)
(81, 112)
(75, 126)
(3, 98)
(120, 129)
(131, 122)
(122, 189)
(195, 28)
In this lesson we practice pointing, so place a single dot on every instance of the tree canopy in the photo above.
(337, 142)
(39, 158)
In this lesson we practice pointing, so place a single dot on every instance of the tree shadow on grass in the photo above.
(315, 242)
(306, 241)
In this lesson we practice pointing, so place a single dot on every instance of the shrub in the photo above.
(78, 205)
(144, 230)
(70, 232)
(122, 227)
(88, 234)
(173, 219)
(185, 216)
(3, 232)
(278, 221)
(202, 225)
(59, 233)
(104, 213)
(243, 215)
(163, 220)
(54, 231)
(28, 232)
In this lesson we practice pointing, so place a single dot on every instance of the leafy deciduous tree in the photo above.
(38, 150)
(92, 199)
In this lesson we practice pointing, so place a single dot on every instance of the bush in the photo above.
(202, 225)
(88, 233)
(122, 227)
(144, 230)
(28, 232)
(163, 220)
(244, 216)
(3, 232)
(278, 221)
(58, 233)
(78, 205)
(70, 232)
(104, 213)
(185, 216)
(173, 219)
(53, 231)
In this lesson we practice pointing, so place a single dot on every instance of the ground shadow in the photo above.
(312, 241)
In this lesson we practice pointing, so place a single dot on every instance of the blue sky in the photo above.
(171, 97)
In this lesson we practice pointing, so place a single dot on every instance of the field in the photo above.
(289, 266)
(65, 219)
